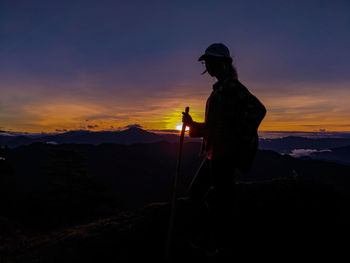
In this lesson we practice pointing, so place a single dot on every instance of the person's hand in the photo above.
(187, 119)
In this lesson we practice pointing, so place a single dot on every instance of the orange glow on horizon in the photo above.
(310, 111)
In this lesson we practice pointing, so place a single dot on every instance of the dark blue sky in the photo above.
(116, 63)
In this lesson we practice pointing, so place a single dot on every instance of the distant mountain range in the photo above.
(138, 135)
(145, 171)
(332, 149)
(290, 143)
(328, 149)
(127, 136)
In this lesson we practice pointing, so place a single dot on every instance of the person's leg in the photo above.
(201, 182)
(197, 192)
(223, 176)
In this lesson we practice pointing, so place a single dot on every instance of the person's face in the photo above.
(214, 66)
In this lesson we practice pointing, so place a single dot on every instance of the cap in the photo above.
(216, 50)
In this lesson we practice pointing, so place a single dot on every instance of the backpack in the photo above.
(251, 114)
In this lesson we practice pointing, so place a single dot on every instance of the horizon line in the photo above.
(174, 131)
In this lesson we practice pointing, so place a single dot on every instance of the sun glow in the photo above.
(179, 127)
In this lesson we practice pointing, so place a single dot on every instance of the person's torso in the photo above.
(223, 115)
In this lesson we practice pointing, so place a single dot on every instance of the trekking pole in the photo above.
(173, 201)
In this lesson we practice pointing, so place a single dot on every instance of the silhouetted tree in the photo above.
(68, 172)
(75, 194)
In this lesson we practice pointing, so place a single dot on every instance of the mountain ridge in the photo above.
(127, 136)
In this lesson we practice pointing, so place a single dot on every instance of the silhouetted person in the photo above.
(230, 139)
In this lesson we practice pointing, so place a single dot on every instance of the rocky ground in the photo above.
(288, 216)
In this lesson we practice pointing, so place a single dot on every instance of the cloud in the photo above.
(92, 126)
(306, 152)
(306, 106)
(52, 142)
(165, 131)
(306, 134)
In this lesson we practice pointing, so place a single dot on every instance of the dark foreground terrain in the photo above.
(289, 216)
(109, 203)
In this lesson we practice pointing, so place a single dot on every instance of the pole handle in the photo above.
(184, 126)
(183, 133)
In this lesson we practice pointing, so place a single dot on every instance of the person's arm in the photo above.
(197, 129)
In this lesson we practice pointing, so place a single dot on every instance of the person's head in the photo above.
(218, 62)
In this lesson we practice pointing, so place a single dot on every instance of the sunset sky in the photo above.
(103, 65)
